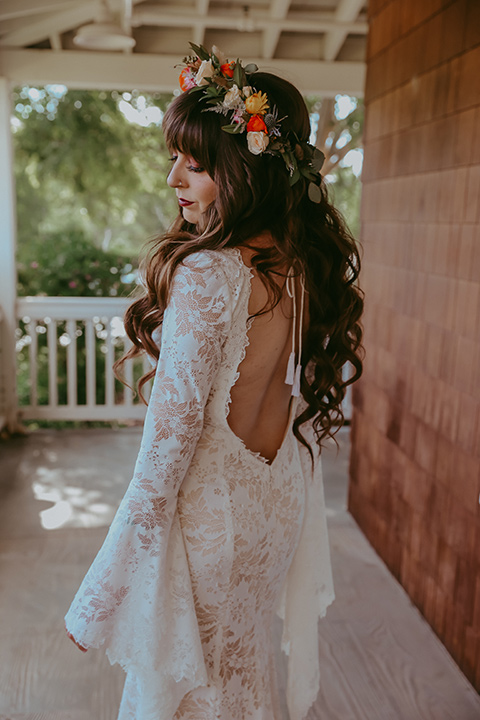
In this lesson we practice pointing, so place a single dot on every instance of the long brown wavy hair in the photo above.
(254, 198)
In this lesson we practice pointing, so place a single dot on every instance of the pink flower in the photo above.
(72, 284)
(34, 264)
(187, 79)
(237, 116)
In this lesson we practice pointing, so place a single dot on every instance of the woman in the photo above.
(249, 308)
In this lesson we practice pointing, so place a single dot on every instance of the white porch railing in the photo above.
(48, 335)
(48, 338)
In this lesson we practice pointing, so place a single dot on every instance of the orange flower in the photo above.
(256, 124)
(186, 79)
(227, 69)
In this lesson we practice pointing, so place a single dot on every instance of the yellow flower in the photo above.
(257, 103)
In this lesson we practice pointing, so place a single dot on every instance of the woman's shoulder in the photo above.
(216, 273)
(226, 262)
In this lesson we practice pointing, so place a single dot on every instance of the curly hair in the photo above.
(256, 197)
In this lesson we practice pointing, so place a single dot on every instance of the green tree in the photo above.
(338, 129)
(68, 264)
(90, 190)
(81, 165)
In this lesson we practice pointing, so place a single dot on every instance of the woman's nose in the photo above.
(174, 178)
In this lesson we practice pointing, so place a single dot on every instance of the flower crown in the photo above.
(225, 88)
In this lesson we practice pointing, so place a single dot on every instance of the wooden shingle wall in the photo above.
(415, 465)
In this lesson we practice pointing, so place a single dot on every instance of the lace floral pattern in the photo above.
(209, 540)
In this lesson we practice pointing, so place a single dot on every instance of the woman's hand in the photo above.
(80, 647)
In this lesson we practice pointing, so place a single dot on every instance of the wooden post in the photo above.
(8, 275)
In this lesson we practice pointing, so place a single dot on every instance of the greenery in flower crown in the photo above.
(225, 88)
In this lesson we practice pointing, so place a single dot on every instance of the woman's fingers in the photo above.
(80, 647)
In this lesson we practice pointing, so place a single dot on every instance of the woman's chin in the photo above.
(190, 215)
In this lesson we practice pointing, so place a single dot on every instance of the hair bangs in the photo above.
(190, 128)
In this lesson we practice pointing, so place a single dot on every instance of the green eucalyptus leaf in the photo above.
(251, 68)
(212, 91)
(307, 172)
(200, 51)
(314, 193)
(237, 74)
(243, 78)
(288, 157)
(231, 129)
(317, 160)
(293, 178)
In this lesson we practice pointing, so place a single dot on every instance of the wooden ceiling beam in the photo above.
(150, 72)
(202, 7)
(61, 22)
(55, 41)
(18, 23)
(271, 34)
(157, 16)
(21, 8)
(77, 14)
(347, 11)
(199, 28)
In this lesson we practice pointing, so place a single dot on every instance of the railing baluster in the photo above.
(52, 363)
(72, 364)
(109, 360)
(90, 362)
(61, 316)
(32, 356)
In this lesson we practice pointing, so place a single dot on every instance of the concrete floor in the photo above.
(59, 490)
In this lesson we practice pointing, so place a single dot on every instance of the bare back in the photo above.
(260, 406)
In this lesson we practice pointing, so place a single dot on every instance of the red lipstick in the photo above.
(184, 203)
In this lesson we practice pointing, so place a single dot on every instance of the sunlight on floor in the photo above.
(73, 504)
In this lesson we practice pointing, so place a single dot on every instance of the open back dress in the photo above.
(211, 540)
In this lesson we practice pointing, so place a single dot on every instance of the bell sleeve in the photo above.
(136, 599)
(308, 590)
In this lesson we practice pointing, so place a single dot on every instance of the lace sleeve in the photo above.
(136, 599)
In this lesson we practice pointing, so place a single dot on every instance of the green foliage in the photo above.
(83, 169)
(90, 191)
(81, 165)
(346, 193)
(66, 263)
(339, 129)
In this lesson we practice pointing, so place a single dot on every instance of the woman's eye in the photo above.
(196, 168)
(172, 159)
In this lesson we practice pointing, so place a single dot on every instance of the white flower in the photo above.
(247, 90)
(222, 59)
(204, 71)
(233, 99)
(257, 142)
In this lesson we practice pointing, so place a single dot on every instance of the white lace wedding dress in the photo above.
(210, 540)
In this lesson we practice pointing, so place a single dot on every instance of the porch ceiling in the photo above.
(318, 44)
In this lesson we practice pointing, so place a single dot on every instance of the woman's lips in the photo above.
(184, 203)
